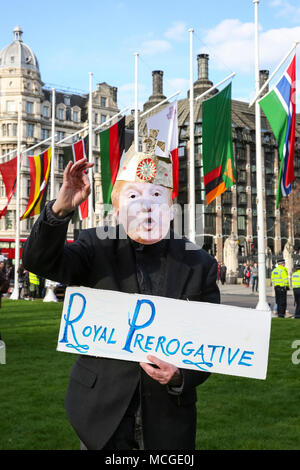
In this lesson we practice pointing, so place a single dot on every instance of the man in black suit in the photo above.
(114, 404)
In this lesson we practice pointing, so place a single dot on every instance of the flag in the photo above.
(166, 122)
(279, 106)
(217, 149)
(8, 171)
(112, 146)
(76, 152)
(39, 174)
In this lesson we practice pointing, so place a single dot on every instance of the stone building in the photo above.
(235, 211)
(20, 81)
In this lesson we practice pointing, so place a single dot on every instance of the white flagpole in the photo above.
(262, 302)
(15, 292)
(136, 117)
(215, 86)
(50, 285)
(191, 168)
(52, 168)
(159, 104)
(90, 157)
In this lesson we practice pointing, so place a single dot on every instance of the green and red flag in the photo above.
(217, 148)
(39, 174)
(112, 146)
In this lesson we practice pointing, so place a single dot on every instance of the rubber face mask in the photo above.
(145, 211)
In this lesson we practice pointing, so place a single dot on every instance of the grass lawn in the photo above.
(233, 413)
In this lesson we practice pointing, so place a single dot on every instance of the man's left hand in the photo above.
(164, 373)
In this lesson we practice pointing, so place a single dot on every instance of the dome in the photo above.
(17, 54)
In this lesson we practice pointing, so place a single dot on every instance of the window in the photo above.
(4, 130)
(2, 189)
(10, 106)
(29, 223)
(9, 220)
(29, 130)
(102, 119)
(45, 134)
(60, 113)
(98, 193)
(46, 111)
(29, 107)
(60, 162)
(60, 136)
(96, 118)
(15, 130)
(75, 116)
(103, 101)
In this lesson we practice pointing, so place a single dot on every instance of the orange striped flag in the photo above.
(39, 175)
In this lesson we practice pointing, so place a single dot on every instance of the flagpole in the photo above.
(53, 147)
(159, 104)
(50, 285)
(136, 121)
(191, 167)
(15, 292)
(262, 302)
(90, 200)
(215, 86)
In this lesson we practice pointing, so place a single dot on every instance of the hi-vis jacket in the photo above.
(296, 279)
(279, 277)
(33, 279)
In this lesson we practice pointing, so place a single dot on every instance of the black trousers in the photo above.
(297, 301)
(280, 296)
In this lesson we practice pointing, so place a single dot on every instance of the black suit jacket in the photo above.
(100, 389)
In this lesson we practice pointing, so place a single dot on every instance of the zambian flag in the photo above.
(39, 174)
(217, 149)
(112, 146)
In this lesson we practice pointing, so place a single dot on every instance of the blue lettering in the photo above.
(176, 347)
(160, 342)
(133, 325)
(87, 330)
(245, 357)
(110, 340)
(149, 343)
(189, 351)
(230, 359)
(138, 339)
(69, 323)
(103, 334)
(96, 331)
(222, 352)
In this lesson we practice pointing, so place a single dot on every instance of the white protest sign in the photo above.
(192, 335)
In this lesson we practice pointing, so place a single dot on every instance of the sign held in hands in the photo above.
(193, 335)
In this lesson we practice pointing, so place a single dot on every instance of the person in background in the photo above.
(280, 281)
(296, 290)
(254, 277)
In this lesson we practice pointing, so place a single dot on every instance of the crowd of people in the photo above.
(249, 275)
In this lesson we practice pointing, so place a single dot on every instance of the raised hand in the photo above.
(75, 188)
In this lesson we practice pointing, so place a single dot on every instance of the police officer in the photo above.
(280, 281)
(296, 289)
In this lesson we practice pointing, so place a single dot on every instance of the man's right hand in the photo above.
(75, 189)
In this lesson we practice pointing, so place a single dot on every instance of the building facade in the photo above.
(21, 82)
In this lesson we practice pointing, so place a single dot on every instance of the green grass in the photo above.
(233, 412)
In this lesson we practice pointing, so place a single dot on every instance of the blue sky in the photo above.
(72, 38)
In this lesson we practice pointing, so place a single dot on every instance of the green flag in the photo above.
(217, 149)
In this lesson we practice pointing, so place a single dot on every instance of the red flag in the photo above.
(8, 171)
